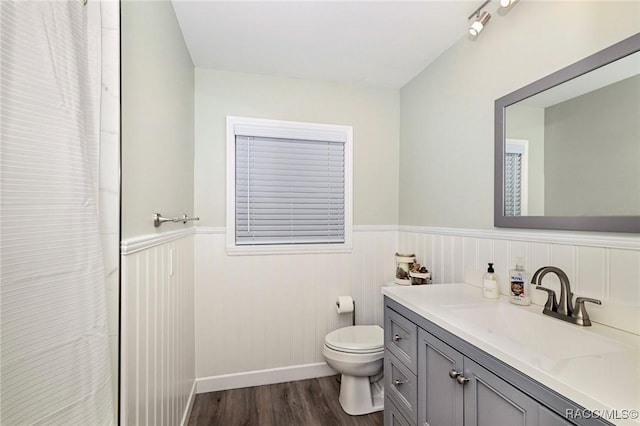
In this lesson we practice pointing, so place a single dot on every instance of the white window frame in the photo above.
(521, 146)
(288, 129)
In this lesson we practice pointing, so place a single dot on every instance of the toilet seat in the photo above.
(357, 339)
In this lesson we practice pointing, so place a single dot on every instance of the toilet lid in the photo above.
(356, 339)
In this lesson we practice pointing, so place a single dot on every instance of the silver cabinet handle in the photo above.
(397, 382)
(453, 374)
(397, 337)
(462, 380)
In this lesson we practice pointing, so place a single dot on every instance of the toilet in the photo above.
(357, 352)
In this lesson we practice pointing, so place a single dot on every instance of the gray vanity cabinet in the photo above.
(490, 401)
(456, 391)
(440, 400)
(434, 378)
(393, 416)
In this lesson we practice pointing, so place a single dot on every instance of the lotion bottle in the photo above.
(490, 284)
(518, 281)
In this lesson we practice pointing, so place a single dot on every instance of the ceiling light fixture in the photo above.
(479, 23)
(480, 19)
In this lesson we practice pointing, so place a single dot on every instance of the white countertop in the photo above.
(601, 374)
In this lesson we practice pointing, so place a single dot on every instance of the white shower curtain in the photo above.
(54, 358)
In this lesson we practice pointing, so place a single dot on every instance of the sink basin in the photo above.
(542, 339)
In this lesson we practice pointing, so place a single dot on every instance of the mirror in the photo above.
(567, 150)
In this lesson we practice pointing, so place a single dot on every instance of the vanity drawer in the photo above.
(392, 414)
(400, 386)
(401, 338)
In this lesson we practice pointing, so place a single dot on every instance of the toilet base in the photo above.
(359, 396)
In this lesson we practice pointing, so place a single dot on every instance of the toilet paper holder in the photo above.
(353, 313)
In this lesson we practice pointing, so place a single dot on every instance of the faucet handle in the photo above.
(552, 302)
(580, 312)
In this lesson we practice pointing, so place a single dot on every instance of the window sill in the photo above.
(293, 249)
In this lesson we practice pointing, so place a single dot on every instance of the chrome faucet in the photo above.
(564, 309)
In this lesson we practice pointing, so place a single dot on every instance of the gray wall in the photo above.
(373, 113)
(157, 118)
(446, 112)
(592, 153)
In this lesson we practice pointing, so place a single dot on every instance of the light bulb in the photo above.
(475, 28)
(505, 3)
(478, 24)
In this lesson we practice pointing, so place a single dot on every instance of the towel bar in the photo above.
(159, 220)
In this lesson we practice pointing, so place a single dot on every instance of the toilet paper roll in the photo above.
(344, 304)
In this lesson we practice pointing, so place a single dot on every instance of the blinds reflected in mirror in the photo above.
(516, 177)
(513, 184)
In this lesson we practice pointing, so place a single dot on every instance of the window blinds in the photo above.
(289, 191)
(513, 184)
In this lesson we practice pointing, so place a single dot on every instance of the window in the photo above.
(516, 181)
(288, 186)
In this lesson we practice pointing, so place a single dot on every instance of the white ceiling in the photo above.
(373, 43)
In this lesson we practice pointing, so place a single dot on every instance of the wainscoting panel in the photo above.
(262, 318)
(605, 268)
(262, 312)
(157, 352)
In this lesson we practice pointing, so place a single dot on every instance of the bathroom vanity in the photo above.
(454, 358)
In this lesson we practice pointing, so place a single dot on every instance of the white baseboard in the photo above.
(189, 407)
(263, 377)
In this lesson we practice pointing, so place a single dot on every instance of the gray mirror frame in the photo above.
(572, 223)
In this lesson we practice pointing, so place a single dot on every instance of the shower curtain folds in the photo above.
(54, 356)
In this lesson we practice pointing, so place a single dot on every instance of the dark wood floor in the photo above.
(311, 402)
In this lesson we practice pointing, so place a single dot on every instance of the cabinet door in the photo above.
(392, 415)
(440, 397)
(490, 401)
(549, 418)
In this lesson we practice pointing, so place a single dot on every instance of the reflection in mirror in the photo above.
(516, 177)
(583, 142)
(568, 146)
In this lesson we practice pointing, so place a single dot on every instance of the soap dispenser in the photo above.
(518, 279)
(490, 284)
